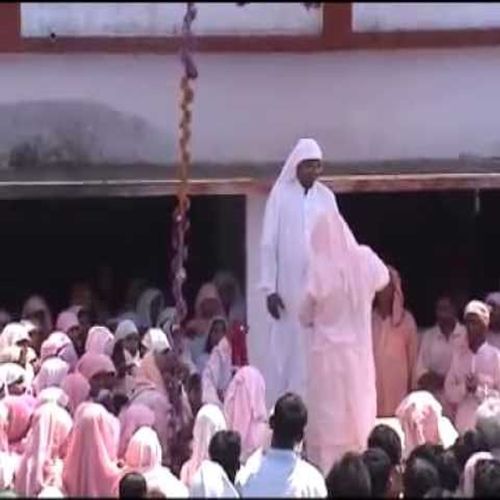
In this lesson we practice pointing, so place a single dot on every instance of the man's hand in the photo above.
(274, 304)
(471, 383)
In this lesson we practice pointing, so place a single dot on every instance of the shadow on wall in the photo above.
(75, 132)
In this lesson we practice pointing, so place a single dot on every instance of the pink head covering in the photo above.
(470, 471)
(245, 408)
(60, 345)
(149, 373)
(420, 416)
(90, 468)
(132, 418)
(53, 395)
(21, 409)
(76, 386)
(143, 451)
(52, 373)
(66, 321)
(334, 248)
(91, 364)
(100, 341)
(209, 420)
(4, 427)
(46, 442)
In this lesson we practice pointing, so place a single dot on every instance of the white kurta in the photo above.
(287, 225)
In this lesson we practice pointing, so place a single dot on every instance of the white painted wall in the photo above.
(424, 16)
(248, 107)
(165, 19)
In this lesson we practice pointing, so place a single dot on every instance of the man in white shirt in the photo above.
(279, 471)
(475, 369)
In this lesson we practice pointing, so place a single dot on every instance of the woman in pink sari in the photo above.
(52, 373)
(99, 371)
(342, 280)
(90, 467)
(21, 409)
(395, 347)
(41, 463)
(143, 455)
(131, 419)
(58, 344)
(100, 341)
(245, 409)
(77, 388)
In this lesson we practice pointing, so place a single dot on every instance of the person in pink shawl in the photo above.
(99, 371)
(475, 369)
(158, 386)
(77, 388)
(52, 373)
(41, 463)
(342, 280)
(395, 346)
(131, 419)
(21, 409)
(60, 345)
(100, 341)
(143, 455)
(90, 467)
(421, 417)
(245, 410)
(208, 422)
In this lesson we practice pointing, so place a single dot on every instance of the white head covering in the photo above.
(167, 319)
(211, 481)
(10, 373)
(480, 309)
(53, 395)
(51, 374)
(144, 306)
(12, 334)
(470, 471)
(305, 149)
(51, 492)
(208, 422)
(155, 340)
(124, 329)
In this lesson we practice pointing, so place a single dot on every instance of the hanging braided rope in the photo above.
(181, 220)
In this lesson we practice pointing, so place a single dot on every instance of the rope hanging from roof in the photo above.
(181, 212)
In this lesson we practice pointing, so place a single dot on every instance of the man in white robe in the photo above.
(295, 200)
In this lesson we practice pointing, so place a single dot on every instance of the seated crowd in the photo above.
(134, 405)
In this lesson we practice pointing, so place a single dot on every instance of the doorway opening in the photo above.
(48, 245)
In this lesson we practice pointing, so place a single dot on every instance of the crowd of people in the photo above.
(134, 403)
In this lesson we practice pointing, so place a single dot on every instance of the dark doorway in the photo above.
(50, 244)
(439, 241)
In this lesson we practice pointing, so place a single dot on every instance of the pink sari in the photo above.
(92, 471)
(41, 464)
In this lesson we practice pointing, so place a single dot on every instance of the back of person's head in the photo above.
(487, 479)
(449, 471)
(419, 477)
(349, 477)
(430, 452)
(488, 422)
(379, 467)
(288, 420)
(155, 493)
(225, 449)
(466, 445)
(387, 439)
(132, 485)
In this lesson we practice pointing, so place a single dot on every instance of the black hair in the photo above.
(487, 479)
(225, 449)
(208, 344)
(379, 467)
(193, 382)
(288, 420)
(466, 445)
(133, 485)
(419, 477)
(387, 439)
(349, 477)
